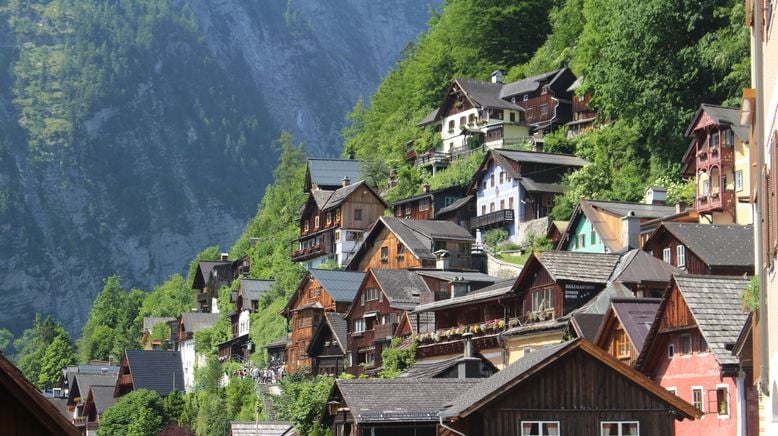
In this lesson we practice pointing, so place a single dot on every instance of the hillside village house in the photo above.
(395, 243)
(149, 323)
(719, 160)
(327, 348)
(328, 173)
(332, 223)
(382, 299)
(97, 401)
(496, 114)
(78, 391)
(246, 301)
(609, 226)
(625, 326)
(515, 187)
(318, 293)
(584, 116)
(704, 248)
(188, 324)
(158, 371)
(211, 276)
(425, 206)
(688, 351)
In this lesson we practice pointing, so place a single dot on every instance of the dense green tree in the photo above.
(396, 360)
(58, 355)
(113, 323)
(303, 400)
(6, 342)
(33, 345)
(139, 413)
(169, 299)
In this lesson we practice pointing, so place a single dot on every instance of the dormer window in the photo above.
(728, 137)
(316, 222)
(525, 97)
(329, 218)
(337, 215)
(714, 140)
(305, 226)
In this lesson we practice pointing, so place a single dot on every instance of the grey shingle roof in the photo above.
(86, 381)
(418, 235)
(640, 210)
(533, 186)
(253, 289)
(495, 382)
(717, 245)
(638, 266)
(578, 266)
(400, 399)
(487, 94)
(455, 205)
(196, 321)
(526, 85)
(150, 321)
(715, 303)
(326, 172)
(339, 327)
(103, 397)
(429, 369)
(723, 116)
(636, 316)
(542, 157)
(158, 371)
(341, 285)
(401, 287)
(263, 428)
(470, 276)
(490, 292)
(586, 324)
(204, 268)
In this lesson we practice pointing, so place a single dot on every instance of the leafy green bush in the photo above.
(494, 237)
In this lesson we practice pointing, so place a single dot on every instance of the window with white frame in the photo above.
(667, 255)
(543, 299)
(670, 351)
(680, 254)
(371, 294)
(359, 325)
(739, 180)
(697, 398)
(619, 428)
(722, 401)
(540, 428)
(424, 204)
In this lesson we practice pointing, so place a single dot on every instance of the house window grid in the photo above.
(384, 254)
(670, 351)
(623, 348)
(371, 294)
(540, 428)
(722, 401)
(697, 400)
(619, 428)
(359, 325)
(543, 299)
(704, 348)
(686, 344)
(424, 204)
(357, 214)
(739, 180)
(680, 253)
(667, 256)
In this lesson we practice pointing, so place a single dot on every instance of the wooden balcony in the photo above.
(125, 379)
(308, 253)
(716, 202)
(433, 158)
(721, 156)
(385, 331)
(493, 219)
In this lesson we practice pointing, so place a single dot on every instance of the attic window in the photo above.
(357, 214)
(525, 97)
(728, 137)
(316, 222)
(686, 343)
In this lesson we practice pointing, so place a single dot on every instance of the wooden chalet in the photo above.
(609, 226)
(276, 352)
(24, 410)
(211, 276)
(246, 301)
(79, 390)
(704, 248)
(332, 223)
(573, 388)
(584, 116)
(97, 401)
(395, 243)
(327, 348)
(719, 160)
(688, 351)
(514, 187)
(149, 322)
(550, 288)
(390, 407)
(328, 173)
(460, 312)
(158, 371)
(382, 299)
(546, 99)
(625, 327)
(425, 206)
(318, 293)
(188, 324)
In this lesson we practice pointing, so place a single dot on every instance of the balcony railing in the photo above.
(725, 156)
(308, 253)
(716, 202)
(385, 331)
(498, 218)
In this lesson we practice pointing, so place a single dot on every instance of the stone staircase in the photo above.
(264, 394)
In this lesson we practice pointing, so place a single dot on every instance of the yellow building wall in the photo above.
(743, 211)
(517, 346)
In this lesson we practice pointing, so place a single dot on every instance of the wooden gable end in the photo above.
(613, 339)
(374, 257)
(538, 279)
(564, 389)
(676, 313)
(364, 200)
(456, 101)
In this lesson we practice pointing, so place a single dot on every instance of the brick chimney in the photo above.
(346, 181)
(224, 257)
(425, 188)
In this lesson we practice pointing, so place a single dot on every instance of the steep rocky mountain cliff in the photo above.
(135, 133)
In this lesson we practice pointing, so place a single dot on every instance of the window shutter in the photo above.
(764, 205)
(772, 200)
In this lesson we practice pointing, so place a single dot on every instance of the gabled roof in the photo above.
(83, 382)
(342, 286)
(329, 173)
(401, 287)
(27, 396)
(724, 116)
(638, 266)
(577, 84)
(636, 316)
(716, 245)
(541, 157)
(454, 190)
(430, 369)
(254, 289)
(399, 399)
(335, 323)
(533, 363)
(158, 371)
(416, 235)
(508, 160)
(196, 321)
(492, 292)
(530, 84)
(486, 94)
(455, 205)
(263, 428)
(150, 321)
(586, 324)
(573, 266)
(102, 397)
(204, 268)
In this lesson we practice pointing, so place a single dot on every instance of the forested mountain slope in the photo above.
(133, 133)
